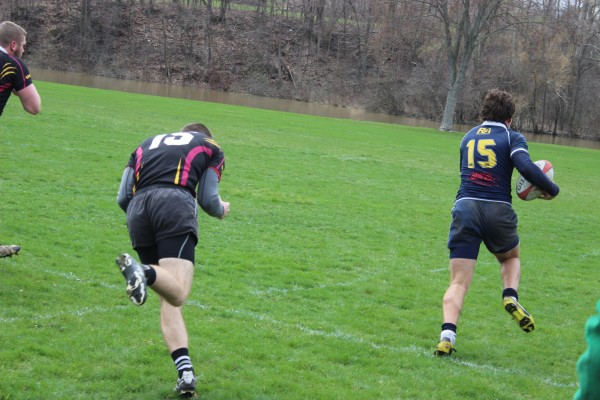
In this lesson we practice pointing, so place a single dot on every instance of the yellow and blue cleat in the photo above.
(519, 314)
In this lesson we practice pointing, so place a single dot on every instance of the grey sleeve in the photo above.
(208, 194)
(125, 193)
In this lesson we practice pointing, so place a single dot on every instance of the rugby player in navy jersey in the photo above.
(15, 77)
(483, 212)
(164, 179)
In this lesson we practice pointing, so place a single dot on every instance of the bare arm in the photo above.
(30, 99)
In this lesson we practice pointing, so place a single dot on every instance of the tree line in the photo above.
(430, 59)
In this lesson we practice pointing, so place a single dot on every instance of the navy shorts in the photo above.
(159, 213)
(475, 221)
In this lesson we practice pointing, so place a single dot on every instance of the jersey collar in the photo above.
(494, 123)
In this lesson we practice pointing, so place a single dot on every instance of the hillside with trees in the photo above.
(429, 59)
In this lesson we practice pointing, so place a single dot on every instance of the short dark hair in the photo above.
(196, 127)
(10, 31)
(497, 106)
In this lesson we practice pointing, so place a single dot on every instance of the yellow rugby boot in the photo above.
(444, 348)
(519, 314)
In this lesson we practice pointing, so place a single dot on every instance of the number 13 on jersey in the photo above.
(173, 139)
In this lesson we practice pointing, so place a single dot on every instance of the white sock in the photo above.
(448, 334)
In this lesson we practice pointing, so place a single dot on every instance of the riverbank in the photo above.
(286, 105)
(269, 53)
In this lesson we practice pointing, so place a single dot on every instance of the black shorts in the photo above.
(183, 247)
(158, 213)
(474, 221)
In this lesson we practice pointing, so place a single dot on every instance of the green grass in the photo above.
(324, 283)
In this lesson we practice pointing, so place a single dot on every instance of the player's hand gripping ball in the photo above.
(525, 190)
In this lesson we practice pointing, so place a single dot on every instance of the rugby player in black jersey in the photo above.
(483, 212)
(15, 78)
(164, 179)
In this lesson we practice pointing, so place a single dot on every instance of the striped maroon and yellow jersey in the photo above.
(14, 75)
(175, 159)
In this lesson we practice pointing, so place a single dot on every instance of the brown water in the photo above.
(195, 93)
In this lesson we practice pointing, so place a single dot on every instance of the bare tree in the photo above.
(585, 39)
(463, 23)
(223, 9)
(85, 23)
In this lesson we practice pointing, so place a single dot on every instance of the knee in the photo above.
(180, 300)
(509, 256)
(175, 301)
(452, 297)
(456, 292)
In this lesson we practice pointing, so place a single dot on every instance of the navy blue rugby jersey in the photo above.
(13, 75)
(485, 162)
(175, 159)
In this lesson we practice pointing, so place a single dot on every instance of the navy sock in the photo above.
(510, 292)
(447, 326)
(182, 361)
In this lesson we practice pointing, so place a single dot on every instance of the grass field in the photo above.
(325, 282)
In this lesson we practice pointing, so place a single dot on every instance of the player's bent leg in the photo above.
(510, 267)
(9, 250)
(135, 278)
(173, 284)
(519, 314)
(174, 280)
(511, 276)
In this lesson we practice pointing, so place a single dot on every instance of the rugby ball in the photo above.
(525, 190)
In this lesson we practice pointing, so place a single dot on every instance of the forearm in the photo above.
(534, 174)
(125, 193)
(208, 194)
